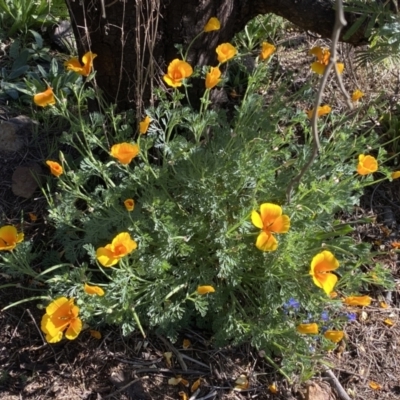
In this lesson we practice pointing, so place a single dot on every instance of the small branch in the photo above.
(340, 22)
(336, 384)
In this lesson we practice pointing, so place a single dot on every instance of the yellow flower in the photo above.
(178, 70)
(45, 98)
(61, 315)
(323, 55)
(93, 290)
(366, 164)
(358, 300)
(322, 110)
(205, 289)
(267, 50)
(334, 336)
(213, 77)
(144, 125)
(55, 168)
(357, 94)
(125, 152)
(395, 174)
(270, 221)
(9, 237)
(225, 52)
(308, 329)
(213, 24)
(121, 246)
(321, 265)
(129, 204)
(73, 64)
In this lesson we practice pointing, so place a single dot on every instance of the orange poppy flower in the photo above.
(9, 237)
(334, 336)
(270, 220)
(55, 168)
(125, 152)
(45, 98)
(366, 164)
(213, 77)
(73, 64)
(267, 50)
(321, 265)
(357, 300)
(121, 246)
(144, 125)
(61, 315)
(308, 329)
(356, 95)
(178, 70)
(322, 110)
(92, 290)
(129, 204)
(323, 55)
(225, 52)
(205, 289)
(213, 24)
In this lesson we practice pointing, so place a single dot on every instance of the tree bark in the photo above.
(135, 39)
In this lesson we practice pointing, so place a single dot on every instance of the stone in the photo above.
(25, 180)
(10, 141)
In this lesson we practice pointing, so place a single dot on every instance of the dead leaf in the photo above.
(364, 316)
(319, 392)
(95, 334)
(383, 304)
(186, 343)
(183, 395)
(168, 358)
(273, 388)
(195, 385)
(389, 322)
(375, 386)
(174, 381)
(241, 383)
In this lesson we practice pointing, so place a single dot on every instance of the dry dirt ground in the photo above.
(117, 367)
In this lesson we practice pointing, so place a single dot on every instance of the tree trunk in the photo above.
(135, 39)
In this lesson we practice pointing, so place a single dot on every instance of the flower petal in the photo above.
(205, 289)
(74, 329)
(93, 290)
(213, 24)
(256, 219)
(358, 300)
(106, 257)
(266, 242)
(318, 68)
(334, 336)
(308, 329)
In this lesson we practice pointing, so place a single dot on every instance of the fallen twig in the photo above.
(336, 384)
(175, 351)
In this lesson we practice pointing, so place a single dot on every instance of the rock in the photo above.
(25, 180)
(9, 140)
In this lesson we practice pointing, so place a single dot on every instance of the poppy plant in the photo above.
(321, 265)
(213, 24)
(45, 98)
(366, 164)
(334, 336)
(267, 50)
(73, 64)
(205, 289)
(9, 237)
(129, 204)
(308, 329)
(323, 55)
(225, 52)
(178, 70)
(357, 300)
(125, 152)
(270, 220)
(93, 290)
(121, 246)
(213, 77)
(55, 168)
(322, 110)
(61, 315)
(144, 125)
